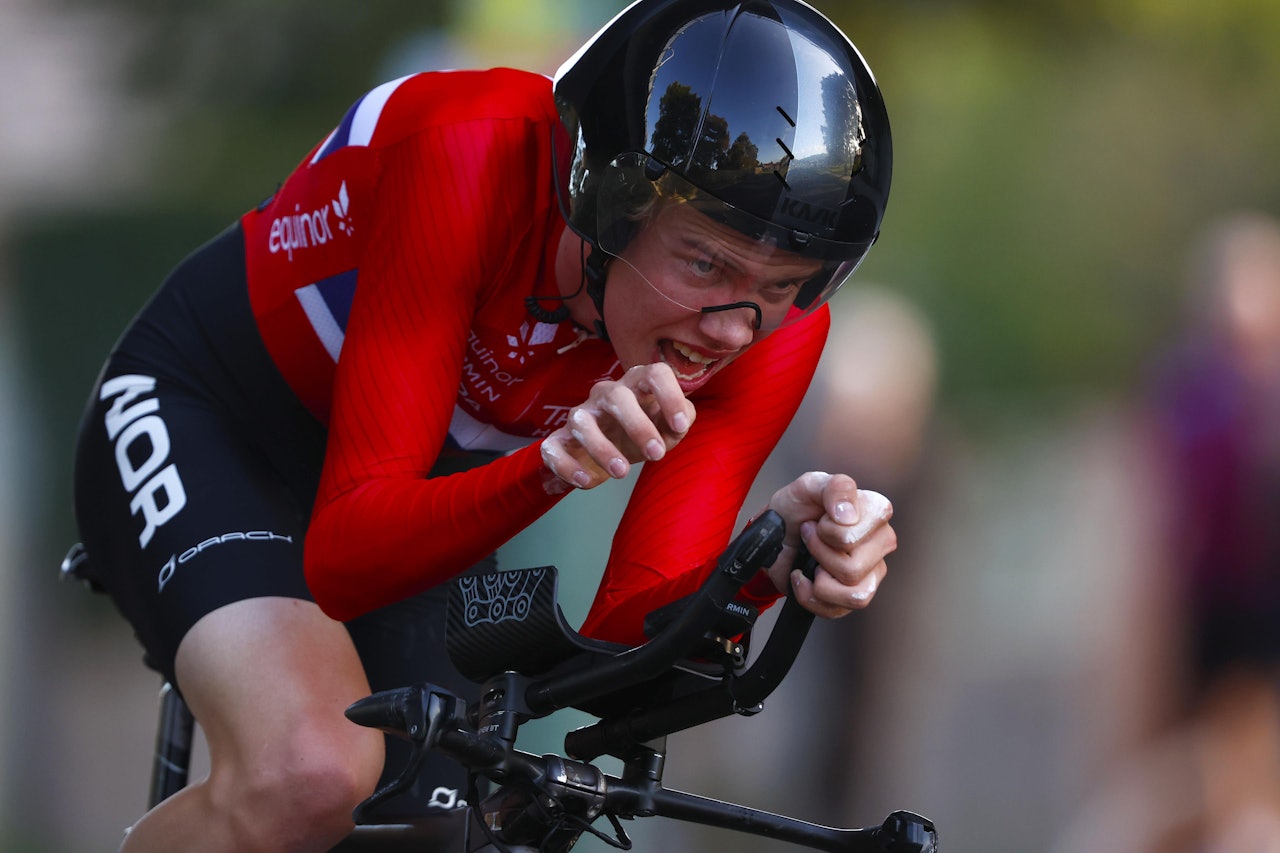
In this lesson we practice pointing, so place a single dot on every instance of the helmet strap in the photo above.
(557, 315)
(595, 269)
(554, 316)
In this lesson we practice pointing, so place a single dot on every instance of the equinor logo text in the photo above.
(302, 229)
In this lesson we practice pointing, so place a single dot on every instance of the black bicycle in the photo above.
(506, 632)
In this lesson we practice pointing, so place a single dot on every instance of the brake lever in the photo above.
(419, 714)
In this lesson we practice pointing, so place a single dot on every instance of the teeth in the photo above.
(696, 358)
(701, 362)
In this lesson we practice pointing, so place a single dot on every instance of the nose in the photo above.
(730, 326)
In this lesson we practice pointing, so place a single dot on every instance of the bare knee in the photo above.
(300, 794)
(287, 767)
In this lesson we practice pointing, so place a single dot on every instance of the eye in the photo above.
(704, 266)
(781, 291)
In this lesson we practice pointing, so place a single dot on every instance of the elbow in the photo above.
(327, 586)
(610, 622)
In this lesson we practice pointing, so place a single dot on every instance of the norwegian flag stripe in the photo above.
(327, 304)
(468, 433)
(358, 125)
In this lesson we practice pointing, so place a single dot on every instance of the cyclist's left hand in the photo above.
(847, 531)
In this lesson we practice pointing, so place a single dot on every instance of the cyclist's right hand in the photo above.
(845, 529)
(637, 418)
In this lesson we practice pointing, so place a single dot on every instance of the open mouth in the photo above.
(688, 364)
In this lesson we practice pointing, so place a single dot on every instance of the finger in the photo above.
(584, 426)
(806, 593)
(874, 510)
(849, 564)
(670, 409)
(565, 458)
(801, 499)
(826, 597)
(636, 429)
(841, 499)
(834, 594)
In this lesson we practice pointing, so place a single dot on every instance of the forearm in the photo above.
(618, 613)
(390, 539)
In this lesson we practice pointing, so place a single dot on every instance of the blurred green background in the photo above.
(1055, 160)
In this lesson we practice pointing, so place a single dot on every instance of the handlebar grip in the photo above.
(805, 562)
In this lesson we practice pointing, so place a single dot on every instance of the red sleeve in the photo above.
(684, 509)
(452, 207)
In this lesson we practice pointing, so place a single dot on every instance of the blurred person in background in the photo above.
(872, 412)
(408, 353)
(1209, 779)
(1218, 400)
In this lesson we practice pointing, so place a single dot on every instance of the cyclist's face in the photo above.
(682, 262)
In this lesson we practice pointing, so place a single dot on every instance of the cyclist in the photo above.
(481, 291)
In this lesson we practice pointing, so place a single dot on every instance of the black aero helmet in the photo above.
(761, 113)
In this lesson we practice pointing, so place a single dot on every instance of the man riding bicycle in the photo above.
(482, 291)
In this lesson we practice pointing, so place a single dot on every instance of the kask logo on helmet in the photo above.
(799, 211)
(303, 229)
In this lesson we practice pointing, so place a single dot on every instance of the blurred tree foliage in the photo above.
(1053, 158)
(1053, 162)
(247, 86)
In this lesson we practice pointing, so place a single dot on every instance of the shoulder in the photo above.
(436, 98)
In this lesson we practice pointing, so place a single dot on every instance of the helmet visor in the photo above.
(706, 255)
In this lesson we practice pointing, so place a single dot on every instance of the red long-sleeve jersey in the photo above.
(388, 278)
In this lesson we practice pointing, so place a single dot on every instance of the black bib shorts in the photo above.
(196, 470)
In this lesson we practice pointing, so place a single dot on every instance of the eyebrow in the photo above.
(738, 260)
(693, 235)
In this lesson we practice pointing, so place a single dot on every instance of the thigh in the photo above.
(180, 513)
(269, 677)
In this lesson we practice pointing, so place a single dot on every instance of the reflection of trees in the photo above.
(677, 116)
(843, 133)
(677, 138)
(743, 154)
(673, 135)
(714, 143)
